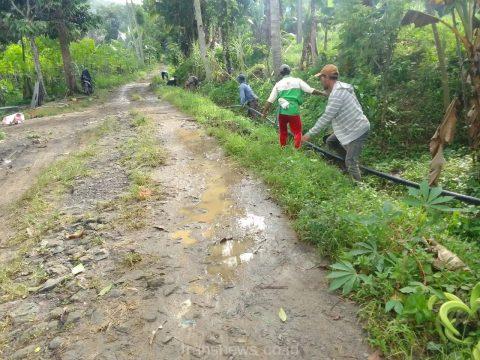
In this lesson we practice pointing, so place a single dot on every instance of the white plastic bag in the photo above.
(13, 119)
(283, 103)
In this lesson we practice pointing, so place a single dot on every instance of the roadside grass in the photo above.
(140, 154)
(35, 214)
(335, 215)
(135, 97)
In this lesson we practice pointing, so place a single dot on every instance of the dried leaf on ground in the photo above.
(377, 355)
(144, 193)
(105, 290)
(447, 259)
(443, 135)
(76, 235)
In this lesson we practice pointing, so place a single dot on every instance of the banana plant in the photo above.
(469, 37)
(446, 325)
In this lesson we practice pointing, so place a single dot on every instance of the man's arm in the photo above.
(266, 108)
(309, 90)
(333, 106)
(270, 101)
(318, 92)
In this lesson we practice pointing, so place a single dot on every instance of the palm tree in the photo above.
(310, 50)
(201, 39)
(275, 35)
(299, 21)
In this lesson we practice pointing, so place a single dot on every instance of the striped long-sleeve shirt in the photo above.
(345, 113)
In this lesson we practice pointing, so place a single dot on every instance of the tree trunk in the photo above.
(275, 35)
(325, 38)
(443, 67)
(385, 76)
(268, 23)
(310, 50)
(201, 39)
(27, 84)
(305, 58)
(227, 57)
(140, 44)
(66, 57)
(38, 70)
(460, 63)
(299, 21)
(137, 37)
(313, 32)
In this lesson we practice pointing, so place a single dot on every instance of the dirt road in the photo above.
(215, 258)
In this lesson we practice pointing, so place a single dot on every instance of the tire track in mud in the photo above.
(215, 261)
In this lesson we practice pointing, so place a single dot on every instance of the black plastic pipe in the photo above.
(395, 179)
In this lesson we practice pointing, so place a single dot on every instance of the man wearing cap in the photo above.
(288, 92)
(247, 96)
(350, 125)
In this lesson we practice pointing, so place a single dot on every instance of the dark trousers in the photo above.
(253, 104)
(350, 152)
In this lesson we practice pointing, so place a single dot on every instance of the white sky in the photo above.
(121, 2)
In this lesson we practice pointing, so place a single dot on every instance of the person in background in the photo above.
(350, 126)
(164, 74)
(192, 83)
(172, 82)
(247, 96)
(86, 81)
(288, 92)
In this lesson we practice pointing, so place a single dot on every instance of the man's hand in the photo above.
(321, 93)
(266, 108)
(305, 138)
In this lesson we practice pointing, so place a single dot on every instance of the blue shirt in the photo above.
(246, 93)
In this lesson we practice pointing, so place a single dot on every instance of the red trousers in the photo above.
(295, 127)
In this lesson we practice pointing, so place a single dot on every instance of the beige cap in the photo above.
(328, 70)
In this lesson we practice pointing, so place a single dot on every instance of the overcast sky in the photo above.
(122, 2)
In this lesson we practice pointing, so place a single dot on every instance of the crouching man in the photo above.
(350, 125)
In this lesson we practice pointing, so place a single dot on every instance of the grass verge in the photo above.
(335, 215)
(140, 154)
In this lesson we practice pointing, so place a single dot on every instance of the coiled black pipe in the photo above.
(395, 179)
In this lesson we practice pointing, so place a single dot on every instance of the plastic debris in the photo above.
(78, 269)
(13, 119)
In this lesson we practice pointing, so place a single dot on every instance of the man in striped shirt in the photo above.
(350, 125)
(288, 92)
